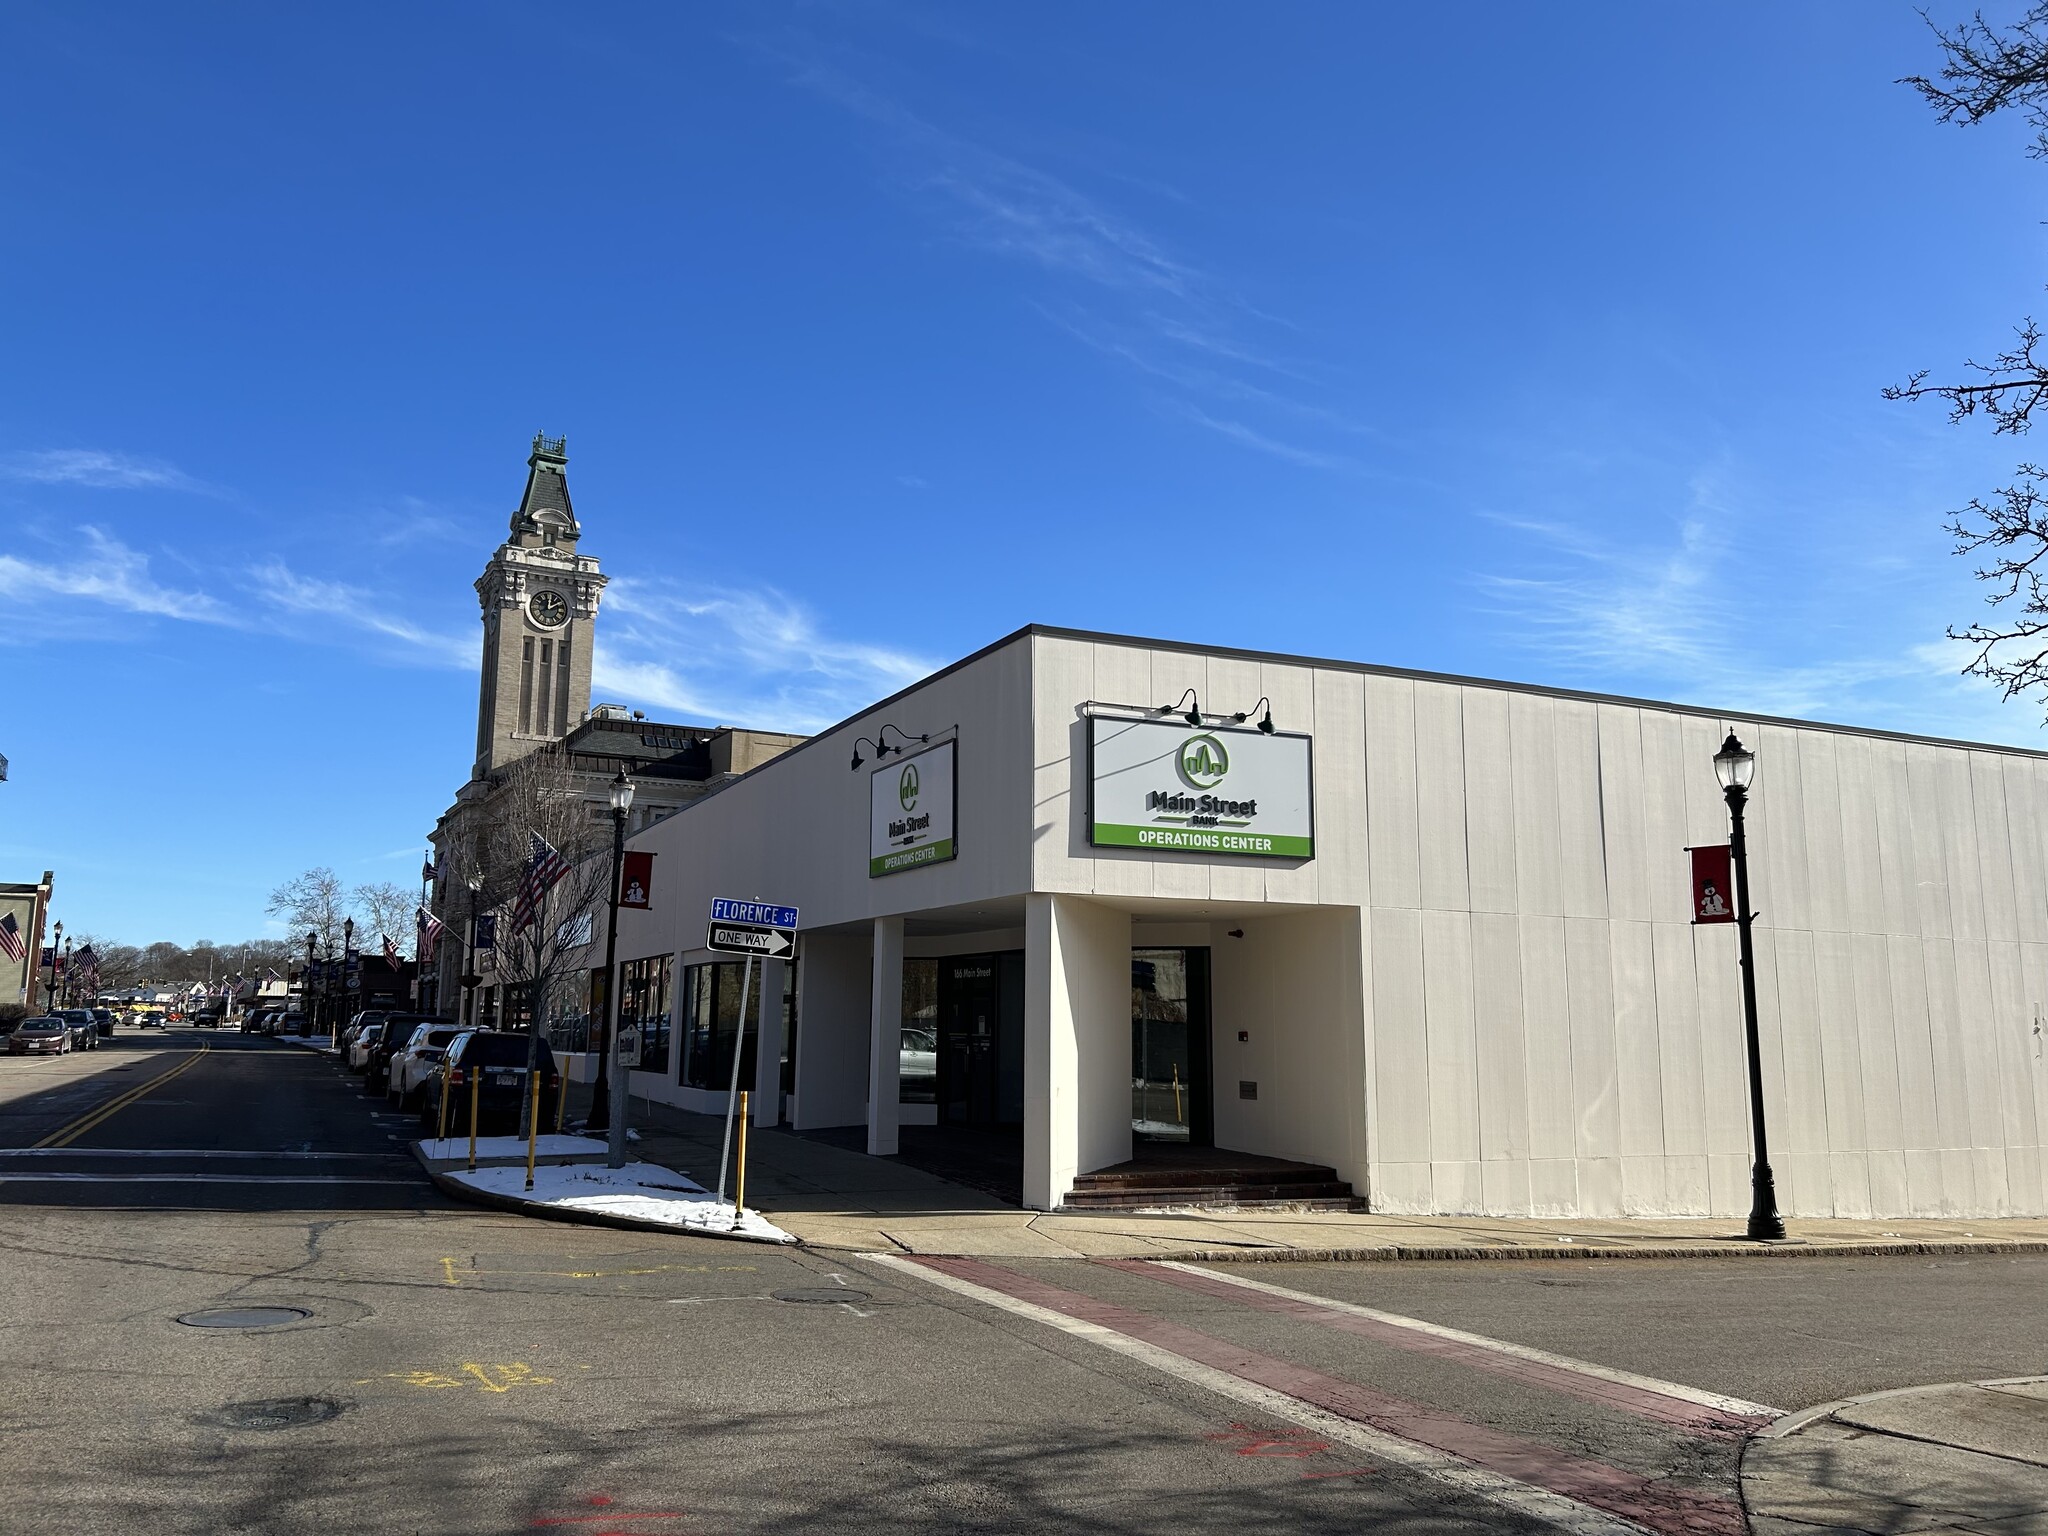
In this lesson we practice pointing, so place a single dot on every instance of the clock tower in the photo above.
(539, 609)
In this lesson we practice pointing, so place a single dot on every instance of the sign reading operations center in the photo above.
(1167, 785)
(910, 811)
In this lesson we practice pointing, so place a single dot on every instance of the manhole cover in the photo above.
(245, 1317)
(278, 1413)
(820, 1295)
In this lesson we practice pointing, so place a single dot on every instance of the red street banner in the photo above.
(1713, 885)
(636, 880)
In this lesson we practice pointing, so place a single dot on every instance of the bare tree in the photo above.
(539, 797)
(1986, 71)
(383, 908)
(314, 901)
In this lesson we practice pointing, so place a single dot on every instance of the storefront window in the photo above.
(644, 1005)
(710, 1027)
(919, 1063)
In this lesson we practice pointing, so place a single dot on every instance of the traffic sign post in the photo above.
(746, 929)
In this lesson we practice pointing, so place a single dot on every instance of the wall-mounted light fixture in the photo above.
(1265, 720)
(1193, 715)
(882, 749)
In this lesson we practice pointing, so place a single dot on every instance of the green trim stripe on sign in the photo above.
(1261, 845)
(910, 858)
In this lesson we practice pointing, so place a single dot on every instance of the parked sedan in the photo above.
(85, 1029)
(398, 1030)
(488, 1069)
(104, 1018)
(416, 1061)
(45, 1036)
(361, 1043)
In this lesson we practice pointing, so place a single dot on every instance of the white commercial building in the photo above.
(1431, 933)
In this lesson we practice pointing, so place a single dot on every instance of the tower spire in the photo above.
(545, 513)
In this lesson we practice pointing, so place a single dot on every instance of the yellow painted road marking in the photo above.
(488, 1378)
(64, 1136)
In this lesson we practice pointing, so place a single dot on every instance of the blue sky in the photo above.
(1540, 343)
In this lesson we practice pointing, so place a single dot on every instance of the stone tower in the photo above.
(540, 609)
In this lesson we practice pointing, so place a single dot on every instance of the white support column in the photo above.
(1077, 1043)
(767, 1100)
(885, 1037)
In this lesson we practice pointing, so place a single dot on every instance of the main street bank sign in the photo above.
(911, 804)
(1166, 785)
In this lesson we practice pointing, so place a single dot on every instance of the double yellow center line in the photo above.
(65, 1135)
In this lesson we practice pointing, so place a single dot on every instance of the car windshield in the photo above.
(40, 1026)
(77, 1015)
(438, 1039)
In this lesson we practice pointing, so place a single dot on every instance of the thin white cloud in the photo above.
(277, 585)
(737, 657)
(95, 468)
(108, 572)
(1677, 620)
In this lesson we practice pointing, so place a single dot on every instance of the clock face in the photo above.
(548, 609)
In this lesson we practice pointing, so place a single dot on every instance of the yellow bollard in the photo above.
(1178, 1116)
(532, 1124)
(739, 1183)
(443, 1137)
(475, 1077)
(561, 1102)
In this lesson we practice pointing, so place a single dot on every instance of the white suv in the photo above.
(414, 1063)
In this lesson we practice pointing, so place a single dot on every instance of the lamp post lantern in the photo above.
(1735, 767)
(608, 1093)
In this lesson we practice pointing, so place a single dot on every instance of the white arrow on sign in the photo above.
(750, 939)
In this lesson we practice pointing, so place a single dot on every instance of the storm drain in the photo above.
(820, 1295)
(244, 1317)
(278, 1413)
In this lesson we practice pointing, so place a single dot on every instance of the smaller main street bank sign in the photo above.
(1176, 788)
(911, 803)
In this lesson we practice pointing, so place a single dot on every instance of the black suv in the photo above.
(493, 1066)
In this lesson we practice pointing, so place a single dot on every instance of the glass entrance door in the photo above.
(1170, 1045)
(980, 1007)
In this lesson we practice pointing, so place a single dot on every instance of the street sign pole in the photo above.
(733, 1096)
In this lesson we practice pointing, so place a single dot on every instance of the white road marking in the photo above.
(207, 1152)
(1498, 1346)
(196, 1178)
(1506, 1492)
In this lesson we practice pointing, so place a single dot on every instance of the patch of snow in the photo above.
(639, 1191)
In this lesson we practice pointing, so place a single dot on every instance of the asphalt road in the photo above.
(464, 1371)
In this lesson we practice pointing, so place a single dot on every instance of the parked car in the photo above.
(415, 1061)
(85, 1029)
(398, 1029)
(46, 1035)
(361, 1043)
(496, 1064)
(104, 1018)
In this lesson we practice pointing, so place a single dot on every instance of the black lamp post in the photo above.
(56, 941)
(469, 977)
(67, 972)
(605, 1115)
(348, 956)
(1735, 766)
(308, 1017)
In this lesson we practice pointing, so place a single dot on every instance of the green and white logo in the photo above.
(1203, 762)
(906, 787)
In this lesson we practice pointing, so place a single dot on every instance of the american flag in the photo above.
(391, 952)
(430, 929)
(544, 867)
(427, 871)
(10, 938)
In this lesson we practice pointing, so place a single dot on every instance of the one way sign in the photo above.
(750, 939)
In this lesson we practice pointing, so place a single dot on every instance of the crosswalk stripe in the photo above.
(1669, 1402)
(1574, 1493)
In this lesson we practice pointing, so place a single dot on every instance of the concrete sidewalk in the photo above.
(1972, 1456)
(830, 1197)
